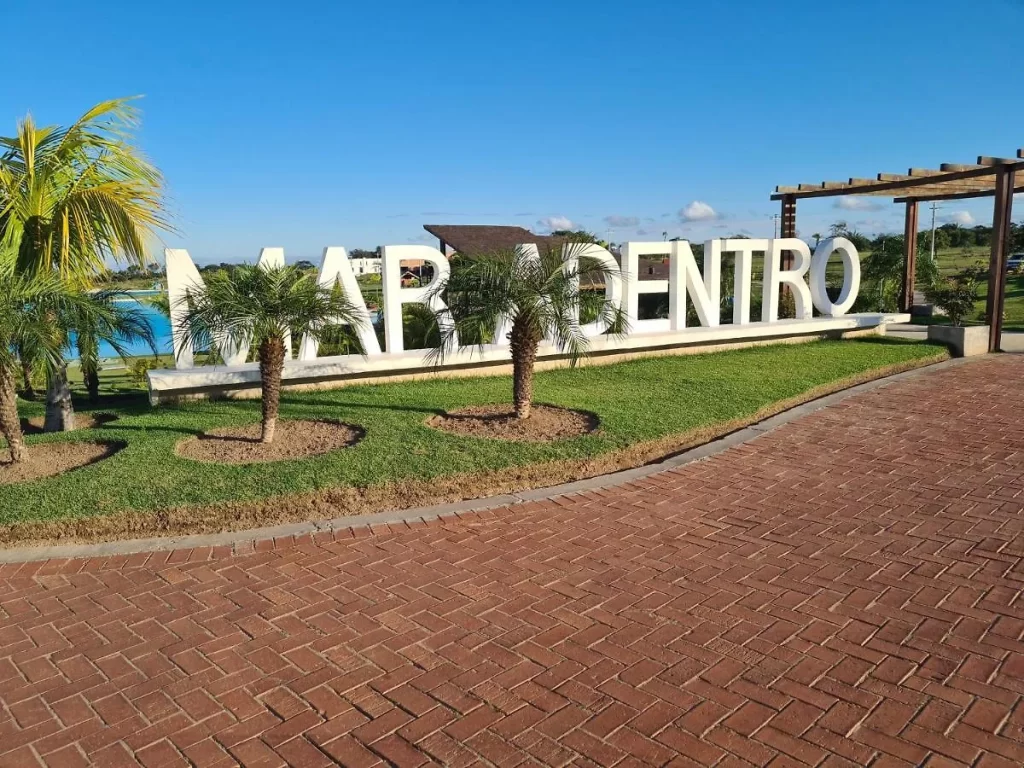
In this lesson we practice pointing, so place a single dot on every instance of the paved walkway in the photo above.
(844, 590)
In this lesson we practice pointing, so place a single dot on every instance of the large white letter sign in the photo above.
(851, 276)
(692, 281)
(631, 253)
(395, 295)
(775, 276)
(182, 276)
(744, 248)
(335, 267)
(705, 291)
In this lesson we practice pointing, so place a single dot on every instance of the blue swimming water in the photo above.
(161, 331)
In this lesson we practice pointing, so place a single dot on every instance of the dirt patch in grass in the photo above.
(546, 423)
(296, 439)
(34, 426)
(51, 459)
(340, 502)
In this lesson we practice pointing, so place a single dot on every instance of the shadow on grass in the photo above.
(891, 341)
(298, 401)
(84, 422)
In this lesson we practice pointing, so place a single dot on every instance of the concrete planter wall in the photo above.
(964, 341)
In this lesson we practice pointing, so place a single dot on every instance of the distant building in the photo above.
(368, 266)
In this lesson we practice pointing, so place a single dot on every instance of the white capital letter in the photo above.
(775, 276)
(851, 276)
(744, 248)
(703, 290)
(395, 295)
(336, 267)
(631, 253)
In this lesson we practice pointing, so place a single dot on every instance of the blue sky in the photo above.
(307, 124)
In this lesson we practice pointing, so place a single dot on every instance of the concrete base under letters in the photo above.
(963, 341)
(243, 381)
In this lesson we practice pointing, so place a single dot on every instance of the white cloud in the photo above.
(857, 204)
(697, 211)
(553, 223)
(620, 222)
(963, 218)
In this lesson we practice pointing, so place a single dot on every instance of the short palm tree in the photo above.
(27, 306)
(537, 295)
(74, 197)
(79, 319)
(262, 306)
(112, 318)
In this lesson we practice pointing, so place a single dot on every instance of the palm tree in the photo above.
(26, 354)
(73, 197)
(113, 320)
(26, 309)
(537, 295)
(80, 319)
(262, 306)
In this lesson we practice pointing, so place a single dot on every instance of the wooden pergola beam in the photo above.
(958, 167)
(920, 177)
(983, 182)
(948, 195)
(928, 189)
(969, 185)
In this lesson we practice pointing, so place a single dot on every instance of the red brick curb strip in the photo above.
(263, 538)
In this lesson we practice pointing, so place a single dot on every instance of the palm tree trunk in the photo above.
(10, 427)
(271, 368)
(27, 390)
(92, 382)
(88, 355)
(523, 342)
(60, 412)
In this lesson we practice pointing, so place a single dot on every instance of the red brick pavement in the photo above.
(843, 591)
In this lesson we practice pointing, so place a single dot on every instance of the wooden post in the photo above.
(910, 257)
(1001, 218)
(788, 228)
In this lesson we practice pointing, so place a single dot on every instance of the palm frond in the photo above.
(73, 197)
(543, 290)
(253, 304)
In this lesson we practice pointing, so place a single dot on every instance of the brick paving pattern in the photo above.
(844, 591)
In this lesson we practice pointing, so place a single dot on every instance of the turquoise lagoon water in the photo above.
(160, 324)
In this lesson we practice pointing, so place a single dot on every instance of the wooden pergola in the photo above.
(990, 176)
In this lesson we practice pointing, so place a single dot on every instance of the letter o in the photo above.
(851, 276)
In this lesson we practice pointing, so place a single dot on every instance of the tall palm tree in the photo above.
(537, 295)
(262, 306)
(74, 197)
(27, 305)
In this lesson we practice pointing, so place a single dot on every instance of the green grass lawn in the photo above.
(638, 402)
(1013, 308)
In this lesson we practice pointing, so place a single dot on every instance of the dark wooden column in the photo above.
(910, 257)
(1001, 217)
(788, 228)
